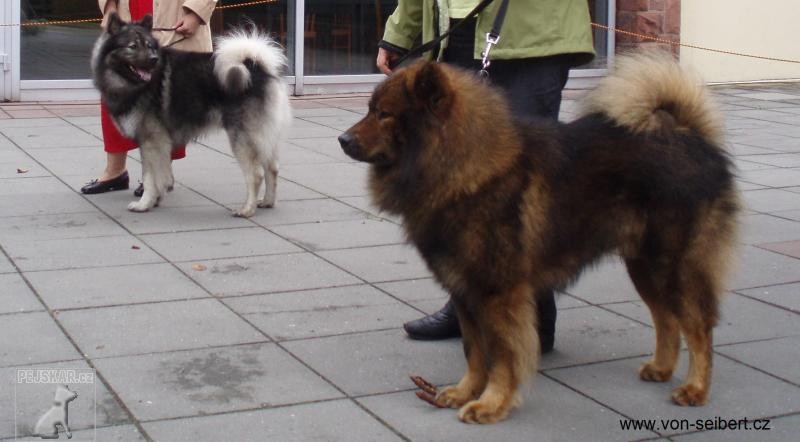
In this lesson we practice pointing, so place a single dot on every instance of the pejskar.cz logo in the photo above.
(51, 403)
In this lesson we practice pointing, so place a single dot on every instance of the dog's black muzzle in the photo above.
(350, 146)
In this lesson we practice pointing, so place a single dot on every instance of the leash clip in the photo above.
(491, 40)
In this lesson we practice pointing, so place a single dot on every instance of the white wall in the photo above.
(767, 28)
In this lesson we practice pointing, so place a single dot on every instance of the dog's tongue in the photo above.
(143, 74)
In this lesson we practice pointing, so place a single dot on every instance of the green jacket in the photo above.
(532, 28)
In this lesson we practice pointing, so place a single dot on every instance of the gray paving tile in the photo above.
(335, 179)
(780, 429)
(220, 243)
(591, 334)
(755, 267)
(6, 266)
(342, 234)
(415, 290)
(381, 263)
(328, 146)
(119, 433)
(232, 195)
(199, 382)
(771, 200)
(43, 204)
(737, 391)
(759, 229)
(94, 406)
(778, 356)
(106, 286)
(549, 412)
(380, 362)
(54, 136)
(88, 162)
(778, 160)
(16, 296)
(275, 273)
(32, 187)
(179, 219)
(606, 282)
(294, 155)
(57, 226)
(741, 319)
(305, 129)
(307, 211)
(772, 177)
(31, 123)
(146, 328)
(33, 338)
(338, 420)
(341, 122)
(786, 295)
(323, 312)
(57, 254)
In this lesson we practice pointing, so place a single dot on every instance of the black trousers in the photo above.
(533, 88)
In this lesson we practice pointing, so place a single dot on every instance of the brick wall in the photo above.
(656, 18)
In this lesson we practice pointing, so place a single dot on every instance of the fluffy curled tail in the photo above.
(242, 51)
(649, 91)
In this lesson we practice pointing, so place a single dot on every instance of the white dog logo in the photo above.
(47, 426)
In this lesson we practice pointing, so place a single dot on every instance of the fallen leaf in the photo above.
(199, 267)
(21, 170)
(135, 247)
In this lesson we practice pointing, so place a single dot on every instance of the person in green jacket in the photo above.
(540, 40)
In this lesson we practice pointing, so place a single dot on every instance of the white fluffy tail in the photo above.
(648, 91)
(234, 51)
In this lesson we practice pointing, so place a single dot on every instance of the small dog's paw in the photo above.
(138, 206)
(481, 412)
(264, 204)
(649, 372)
(244, 212)
(453, 397)
(690, 395)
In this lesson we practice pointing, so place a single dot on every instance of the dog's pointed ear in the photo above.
(433, 87)
(147, 22)
(114, 23)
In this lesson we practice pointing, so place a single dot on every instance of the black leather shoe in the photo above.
(444, 323)
(139, 191)
(440, 325)
(119, 183)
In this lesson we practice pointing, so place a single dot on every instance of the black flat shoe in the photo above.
(440, 325)
(119, 183)
(139, 191)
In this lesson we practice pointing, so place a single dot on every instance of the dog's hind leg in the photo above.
(246, 153)
(668, 333)
(156, 174)
(269, 160)
(507, 322)
(474, 380)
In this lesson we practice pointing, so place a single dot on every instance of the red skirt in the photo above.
(113, 140)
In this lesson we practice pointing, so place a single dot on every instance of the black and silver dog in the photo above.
(162, 97)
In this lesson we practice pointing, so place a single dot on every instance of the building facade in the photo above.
(331, 44)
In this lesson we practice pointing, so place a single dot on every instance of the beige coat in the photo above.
(166, 13)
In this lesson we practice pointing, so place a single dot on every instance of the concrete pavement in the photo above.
(198, 326)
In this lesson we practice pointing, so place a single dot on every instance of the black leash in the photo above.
(183, 37)
(431, 44)
(492, 38)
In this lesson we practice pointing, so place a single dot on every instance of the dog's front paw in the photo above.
(139, 206)
(264, 204)
(650, 372)
(689, 394)
(482, 412)
(454, 397)
(245, 212)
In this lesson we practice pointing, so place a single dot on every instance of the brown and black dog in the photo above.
(500, 209)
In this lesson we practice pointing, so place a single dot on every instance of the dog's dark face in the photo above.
(130, 50)
(404, 110)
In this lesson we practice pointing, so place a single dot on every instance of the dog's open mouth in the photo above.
(143, 74)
